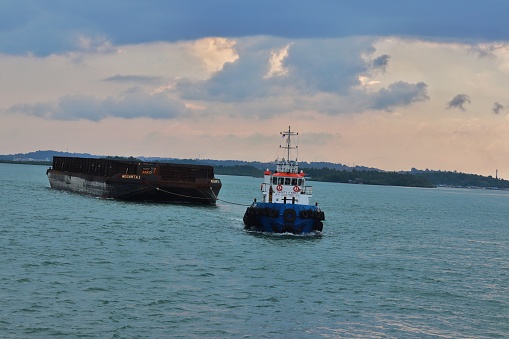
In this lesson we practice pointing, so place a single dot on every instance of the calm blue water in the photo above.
(391, 263)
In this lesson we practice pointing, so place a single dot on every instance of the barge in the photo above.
(135, 180)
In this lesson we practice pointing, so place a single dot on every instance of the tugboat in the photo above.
(285, 205)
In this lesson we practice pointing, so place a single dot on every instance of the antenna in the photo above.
(288, 134)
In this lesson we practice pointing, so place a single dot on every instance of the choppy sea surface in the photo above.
(392, 262)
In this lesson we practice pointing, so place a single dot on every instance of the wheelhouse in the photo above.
(287, 181)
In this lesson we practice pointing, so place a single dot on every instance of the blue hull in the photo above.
(283, 218)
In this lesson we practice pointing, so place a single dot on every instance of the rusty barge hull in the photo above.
(135, 180)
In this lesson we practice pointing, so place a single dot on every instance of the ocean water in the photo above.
(392, 262)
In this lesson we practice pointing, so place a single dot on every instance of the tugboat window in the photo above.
(300, 182)
(294, 182)
(274, 181)
(287, 181)
(280, 181)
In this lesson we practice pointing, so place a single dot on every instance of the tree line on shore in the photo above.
(414, 178)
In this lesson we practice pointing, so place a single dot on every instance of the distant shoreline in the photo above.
(26, 162)
(373, 178)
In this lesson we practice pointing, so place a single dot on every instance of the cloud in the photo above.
(258, 77)
(237, 81)
(96, 44)
(267, 67)
(399, 94)
(134, 79)
(214, 52)
(459, 102)
(497, 108)
(303, 75)
(381, 62)
(276, 62)
(331, 66)
(132, 104)
(59, 26)
(486, 50)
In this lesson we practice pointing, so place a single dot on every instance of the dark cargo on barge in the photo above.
(135, 180)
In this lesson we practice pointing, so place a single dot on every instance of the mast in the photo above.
(286, 165)
(288, 134)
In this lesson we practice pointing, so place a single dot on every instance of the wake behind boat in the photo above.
(285, 206)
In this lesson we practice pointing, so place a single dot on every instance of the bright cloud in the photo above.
(276, 67)
(214, 52)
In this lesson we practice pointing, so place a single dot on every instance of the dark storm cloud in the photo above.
(459, 102)
(497, 108)
(46, 27)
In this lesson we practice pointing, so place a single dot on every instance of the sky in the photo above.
(391, 84)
